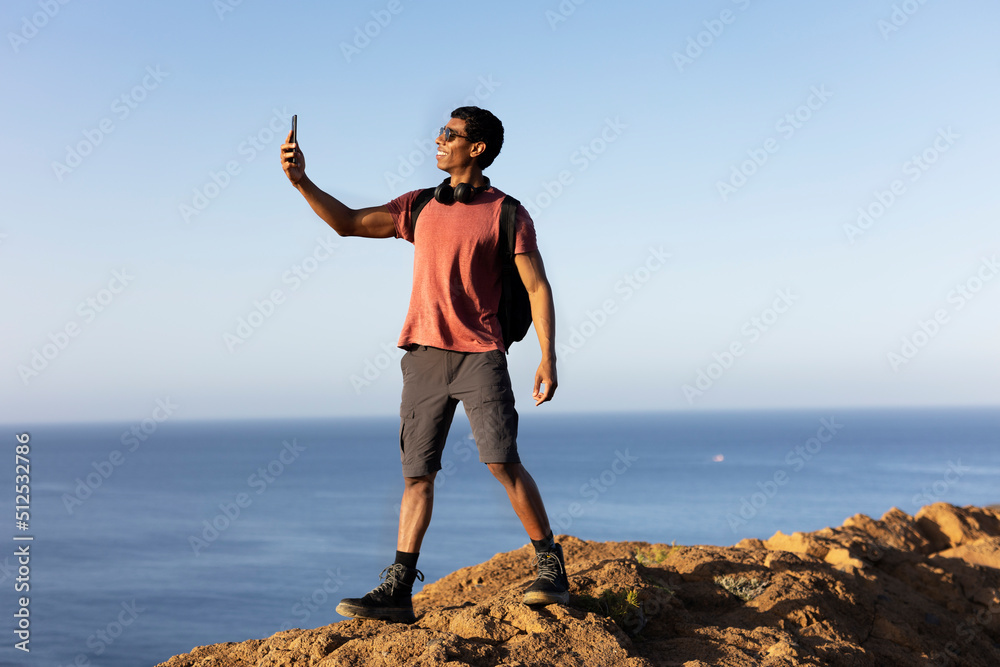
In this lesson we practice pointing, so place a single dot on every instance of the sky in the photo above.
(740, 204)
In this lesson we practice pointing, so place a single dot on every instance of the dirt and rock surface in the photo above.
(898, 591)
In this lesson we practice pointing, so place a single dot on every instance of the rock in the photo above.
(894, 591)
(947, 526)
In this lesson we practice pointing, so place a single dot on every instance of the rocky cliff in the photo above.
(898, 591)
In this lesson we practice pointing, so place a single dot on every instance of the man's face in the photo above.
(458, 152)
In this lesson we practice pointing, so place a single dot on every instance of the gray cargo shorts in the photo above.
(434, 381)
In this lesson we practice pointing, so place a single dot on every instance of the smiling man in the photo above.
(454, 346)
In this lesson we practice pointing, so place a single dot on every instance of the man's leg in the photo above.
(415, 512)
(422, 435)
(552, 584)
(524, 498)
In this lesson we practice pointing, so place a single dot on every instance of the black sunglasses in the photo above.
(449, 133)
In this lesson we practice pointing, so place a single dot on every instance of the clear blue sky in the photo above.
(695, 171)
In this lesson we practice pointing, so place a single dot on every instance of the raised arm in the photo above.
(543, 316)
(373, 222)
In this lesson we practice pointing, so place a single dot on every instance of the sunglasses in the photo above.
(449, 133)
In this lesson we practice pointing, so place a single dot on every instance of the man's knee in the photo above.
(504, 471)
(423, 484)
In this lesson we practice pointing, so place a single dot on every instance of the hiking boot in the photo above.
(552, 585)
(390, 601)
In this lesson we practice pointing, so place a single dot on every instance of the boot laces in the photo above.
(393, 576)
(549, 567)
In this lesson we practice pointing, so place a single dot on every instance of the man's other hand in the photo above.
(545, 375)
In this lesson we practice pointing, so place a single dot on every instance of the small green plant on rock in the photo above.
(621, 606)
(743, 587)
(656, 556)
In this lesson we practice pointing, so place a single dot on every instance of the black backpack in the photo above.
(515, 307)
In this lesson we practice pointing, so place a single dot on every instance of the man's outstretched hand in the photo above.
(295, 171)
(545, 375)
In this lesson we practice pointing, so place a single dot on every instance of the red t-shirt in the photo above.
(456, 270)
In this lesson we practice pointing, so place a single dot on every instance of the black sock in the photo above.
(545, 544)
(408, 559)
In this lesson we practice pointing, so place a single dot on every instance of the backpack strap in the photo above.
(508, 216)
(418, 205)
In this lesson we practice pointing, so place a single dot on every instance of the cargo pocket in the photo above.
(406, 415)
(499, 424)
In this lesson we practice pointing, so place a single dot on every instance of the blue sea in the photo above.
(148, 544)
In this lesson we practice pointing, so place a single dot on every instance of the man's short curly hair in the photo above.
(481, 125)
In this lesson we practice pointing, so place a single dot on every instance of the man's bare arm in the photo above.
(543, 315)
(373, 222)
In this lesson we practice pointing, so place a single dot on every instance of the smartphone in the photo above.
(294, 140)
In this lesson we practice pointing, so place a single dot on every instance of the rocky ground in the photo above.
(899, 591)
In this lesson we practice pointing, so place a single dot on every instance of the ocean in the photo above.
(151, 539)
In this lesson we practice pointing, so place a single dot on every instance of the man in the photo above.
(455, 350)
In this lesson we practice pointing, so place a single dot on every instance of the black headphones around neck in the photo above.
(463, 193)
